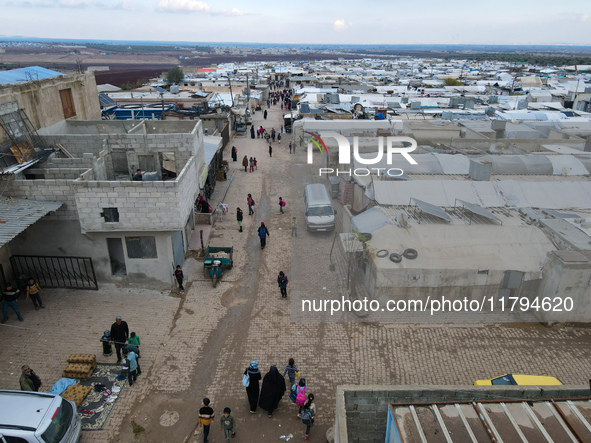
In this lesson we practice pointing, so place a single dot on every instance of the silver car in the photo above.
(36, 417)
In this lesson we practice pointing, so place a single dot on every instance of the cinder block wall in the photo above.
(142, 206)
(182, 145)
(76, 144)
(50, 190)
(58, 173)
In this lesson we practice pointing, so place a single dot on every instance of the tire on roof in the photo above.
(396, 258)
(410, 253)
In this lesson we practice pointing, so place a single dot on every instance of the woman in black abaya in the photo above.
(252, 390)
(272, 390)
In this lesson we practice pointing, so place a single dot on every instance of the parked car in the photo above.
(520, 379)
(36, 417)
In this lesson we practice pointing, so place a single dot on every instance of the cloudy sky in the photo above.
(304, 21)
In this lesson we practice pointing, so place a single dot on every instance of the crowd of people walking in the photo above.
(268, 396)
(271, 390)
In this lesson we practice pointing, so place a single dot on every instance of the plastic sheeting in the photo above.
(426, 163)
(61, 385)
(567, 165)
(459, 164)
(370, 220)
(458, 247)
(453, 164)
(32, 73)
(551, 195)
(518, 164)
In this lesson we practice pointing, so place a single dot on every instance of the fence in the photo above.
(56, 272)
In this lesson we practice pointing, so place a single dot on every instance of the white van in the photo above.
(36, 417)
(320, 216)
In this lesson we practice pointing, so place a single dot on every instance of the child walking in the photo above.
(178, 273)
(282, 282)
(301, 394)
(206, 415)
(294, 227)
(308, 413)
(134, 339)
(281, 205)
(239, 218)
(250, 203)
(228, 424)
(33, 290)
(291, 371)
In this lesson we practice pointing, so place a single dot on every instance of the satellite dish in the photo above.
(402, 219)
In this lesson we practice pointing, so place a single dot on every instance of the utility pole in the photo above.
(247, 93)
(576, 94)
(231, 95)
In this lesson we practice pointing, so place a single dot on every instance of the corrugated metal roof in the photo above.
(211, 145)
(17, 214)
(18, 167)
(106, 100)
(508, 420)
(31, 73)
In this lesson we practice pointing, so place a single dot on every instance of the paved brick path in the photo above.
(198, 344)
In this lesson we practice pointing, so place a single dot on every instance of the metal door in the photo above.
(178, 250)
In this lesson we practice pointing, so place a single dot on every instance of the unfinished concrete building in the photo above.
(108, 227)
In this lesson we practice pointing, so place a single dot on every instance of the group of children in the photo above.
(307, 407)
(131, 352)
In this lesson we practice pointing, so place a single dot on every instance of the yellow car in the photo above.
(520, 379)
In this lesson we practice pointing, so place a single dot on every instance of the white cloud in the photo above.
(194, 6)
(182, 6)
(58, 3)
(128, 5)
(75, 3)
(585, 17)
(234, 11)
(340, 25)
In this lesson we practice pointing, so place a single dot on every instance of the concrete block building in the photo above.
(126, 231)
(133, 230)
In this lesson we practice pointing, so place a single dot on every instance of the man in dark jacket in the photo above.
(29, 380)
(119, 335)
(263, 233)
(11, 299)
(138, 177)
